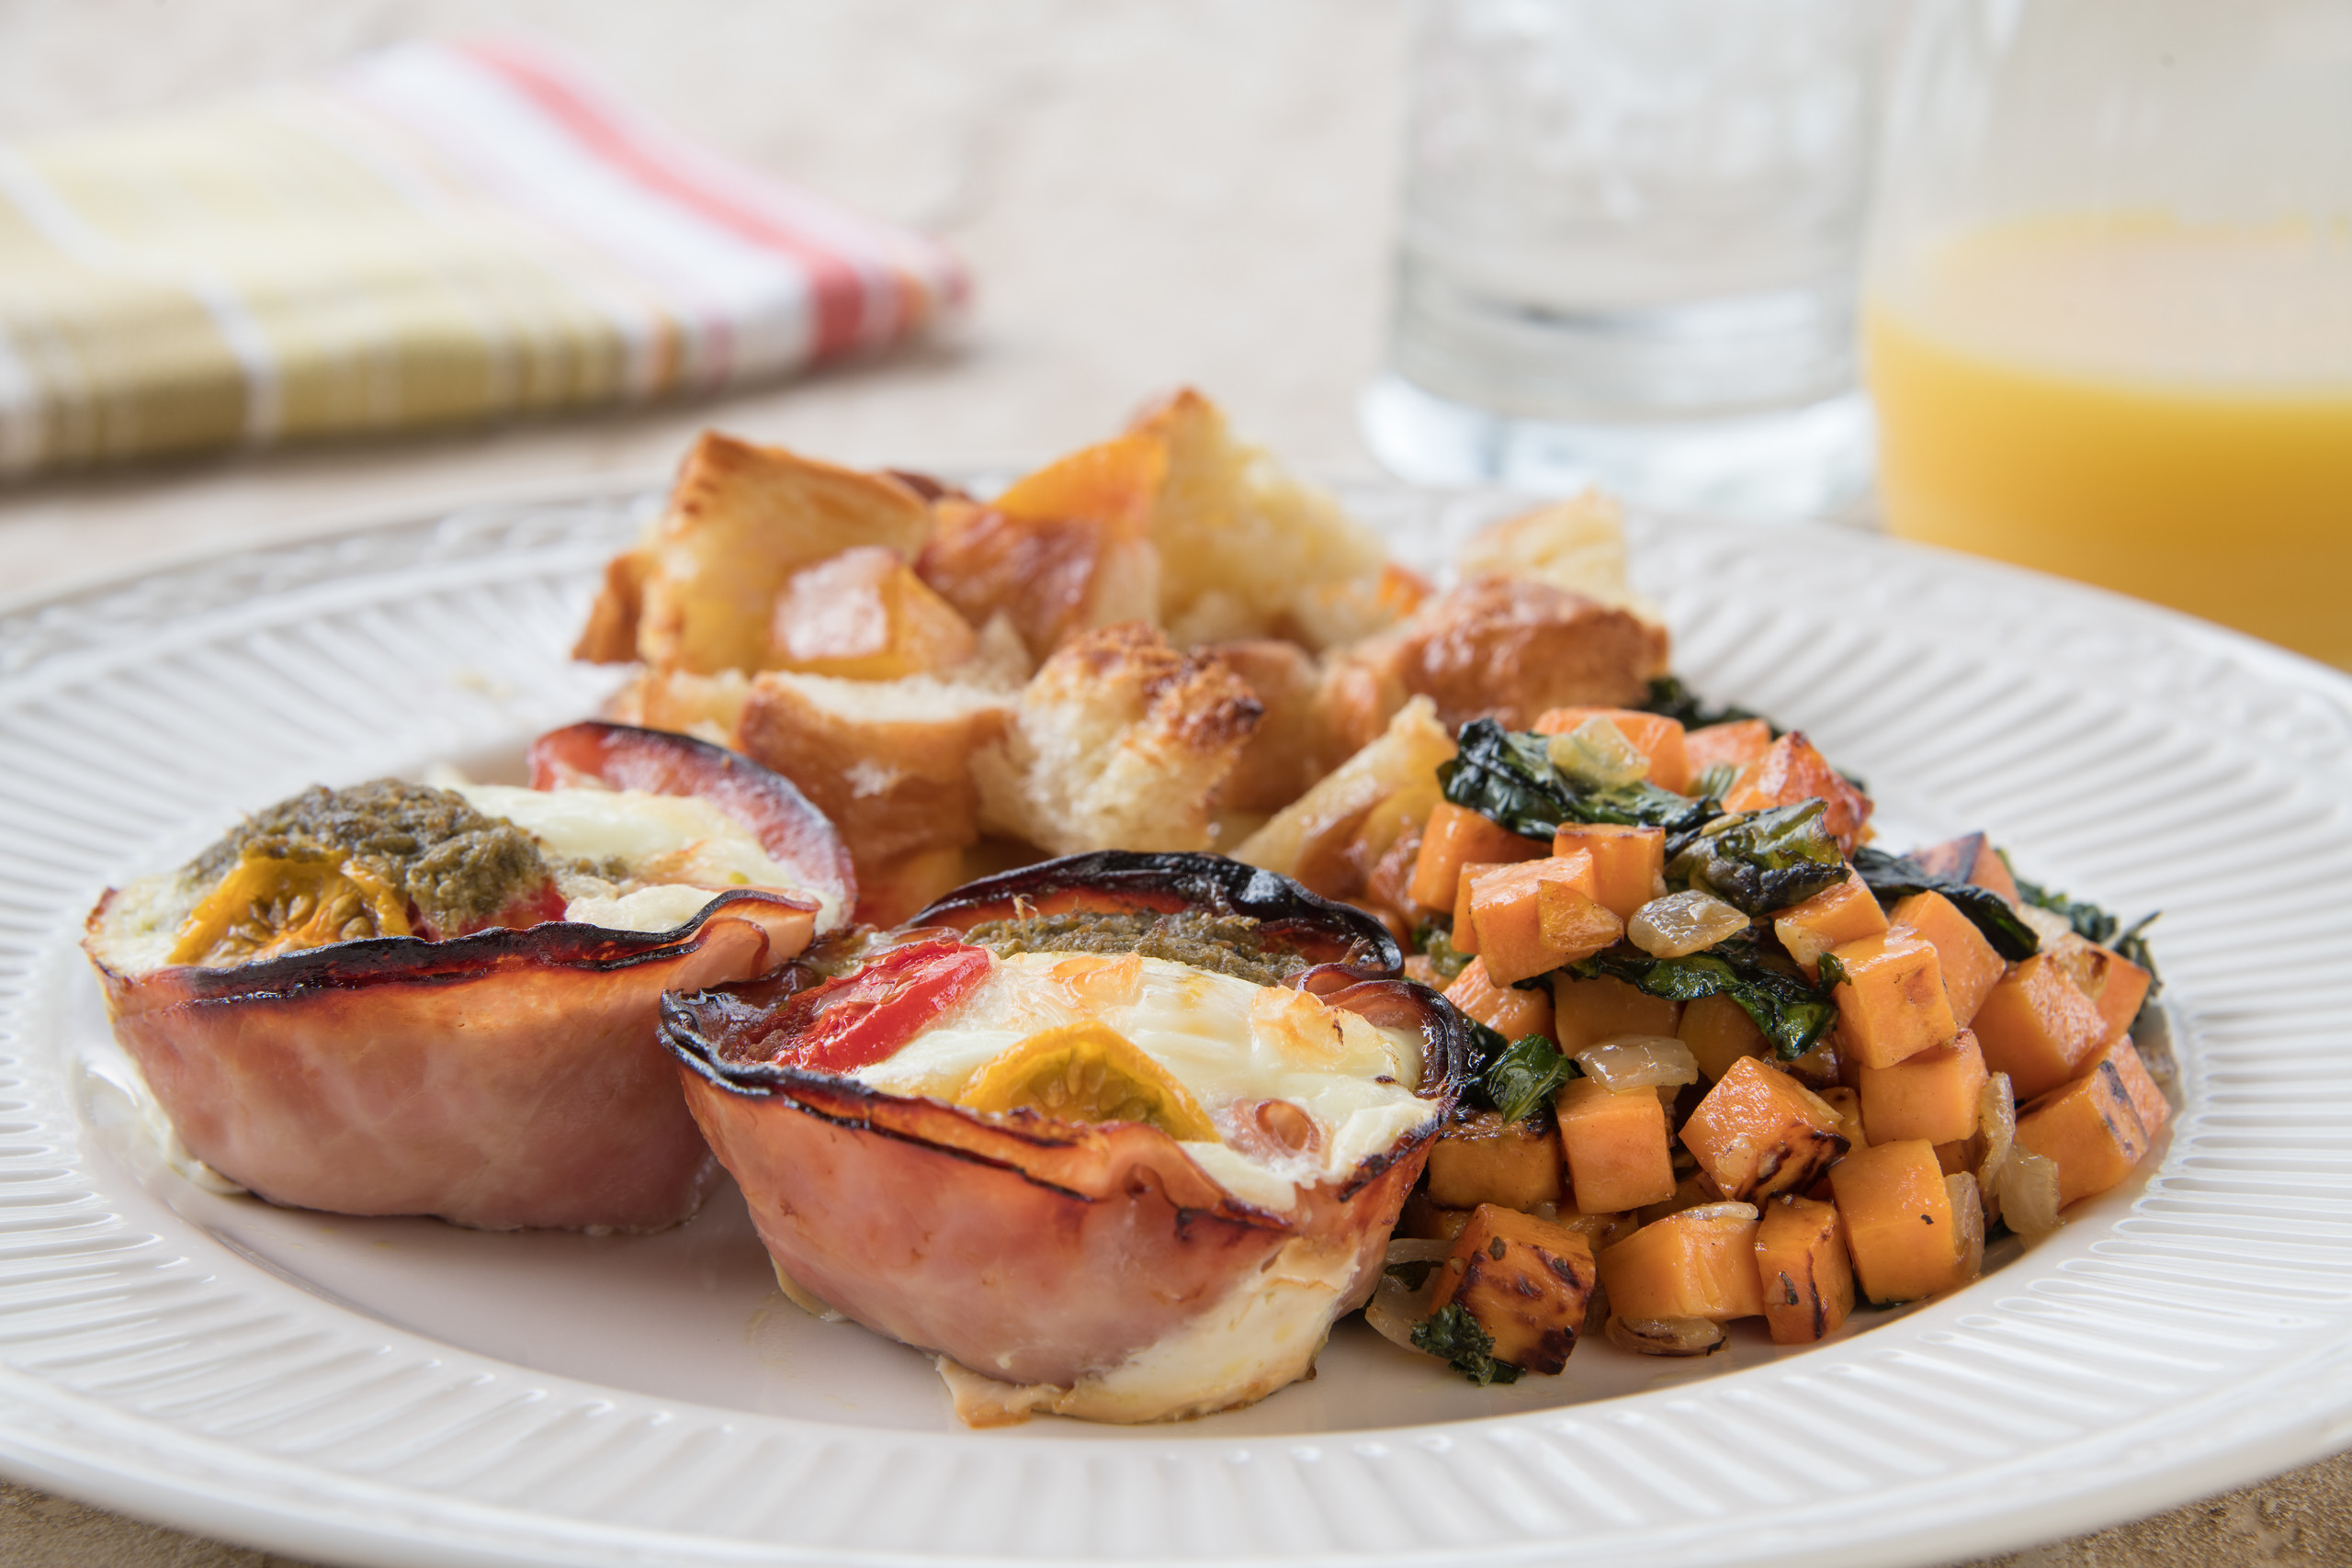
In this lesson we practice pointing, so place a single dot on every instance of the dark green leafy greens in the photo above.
(1792, 1014)
(1669, 696)
(1508, 778)
(2093, 923)
(1435, 939)
(1454, 1337)
(1525, 1078)
(1716, 781)
(1890, 877)
(1765, 861)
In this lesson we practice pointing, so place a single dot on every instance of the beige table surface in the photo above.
(1149, 194)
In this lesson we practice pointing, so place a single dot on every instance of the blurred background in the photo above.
(1145, 195)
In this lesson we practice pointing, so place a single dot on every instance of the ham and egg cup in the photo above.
(1117, 1136)
(401, 999)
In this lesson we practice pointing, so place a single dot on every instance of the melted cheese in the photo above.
(680, 851)
(1232, 1043)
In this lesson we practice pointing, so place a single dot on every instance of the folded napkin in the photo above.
(436, 234)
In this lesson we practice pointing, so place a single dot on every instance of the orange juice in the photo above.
(2158, 407)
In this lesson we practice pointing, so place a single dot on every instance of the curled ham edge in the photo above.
(507, 1080)
(1045, 1261)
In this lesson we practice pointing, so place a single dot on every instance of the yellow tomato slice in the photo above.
(267, 906)
(1088, 1072)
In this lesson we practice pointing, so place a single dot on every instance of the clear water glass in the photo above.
(1627, 251)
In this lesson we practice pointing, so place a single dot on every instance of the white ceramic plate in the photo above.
(379, 1391)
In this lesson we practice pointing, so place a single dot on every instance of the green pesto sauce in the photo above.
(1227, 945)
(458, 866)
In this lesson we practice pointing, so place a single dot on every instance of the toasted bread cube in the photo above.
(1930, 1094)
(1793, 771)
(2141, 1090)
(1970, 968)
(1525, 1279)
(1892, 1003)
(1055, 573)
(2089, 1128)
(1577, 543)
(1719, 1032)
(864, 615)
(1119, 742)
(1628, 863)
(1698, 1263)
(1969, 858)
(1735, 744)
(1488, 1160)
(1455, 838)
(1586, 1012)
(1285, 755)
(1759, 1132)
(1847, 912)
(1532, 918)
(2115, 985)
(1509, 1010)
(1616, 1145)
(1316, 836)
(1654, 735)
(1899, 1220)
(1808, 1280)
(2037, 1027)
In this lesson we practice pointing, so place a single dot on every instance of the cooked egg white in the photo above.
(1232, 1043)
(677, 848)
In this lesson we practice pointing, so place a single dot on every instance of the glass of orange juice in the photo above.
(2108, 303)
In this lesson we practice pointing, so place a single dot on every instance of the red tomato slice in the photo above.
(860, 1018)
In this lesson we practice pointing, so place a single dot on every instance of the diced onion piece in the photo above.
(1728, 1212)
(1597, 753)
(1626, 1062)
(2029, 1193)
(1683, 923)
(2048, 924)
(1665, 1335)
(1968, 1223)
(1996, 1124)
(1397, 1309)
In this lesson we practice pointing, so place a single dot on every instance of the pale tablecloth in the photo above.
(1147, 194)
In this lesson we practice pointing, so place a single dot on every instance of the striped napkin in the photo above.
(436, 234)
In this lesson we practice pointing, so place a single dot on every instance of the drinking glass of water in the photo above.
(1627, 251)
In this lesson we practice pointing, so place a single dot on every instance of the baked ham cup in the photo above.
(1091, 1269)
(507, 1079)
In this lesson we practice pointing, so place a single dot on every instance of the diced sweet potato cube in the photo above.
(2037, 1027)
(1719, 1032)
(1465, 936)
(2088, 1128)
(1807, 1280)
(1930, 1094)
(1654, 735)
(1586, 1012)
(1738, 744)
(1969, 858)
(1454, 838)
(1847, 912)
(1759, 1132)
(1628, 863)
(1971, 967)
(2115, 985)
(1955, 1154)
(1508, 1011)
(1699, 1263)
(1525, 1279)
(1899, 1222)
(1488, 1160)
(1615, 1146)
(2141, 1090)
(1793, 771)
(1892, 1003)
(1425, 1221)
(1848, 1103)
(1535, 916)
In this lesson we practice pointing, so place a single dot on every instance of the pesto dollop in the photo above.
(458, 866)
(1224, 944)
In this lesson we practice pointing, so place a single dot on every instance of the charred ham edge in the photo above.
(794, 833)
(1321, 931)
